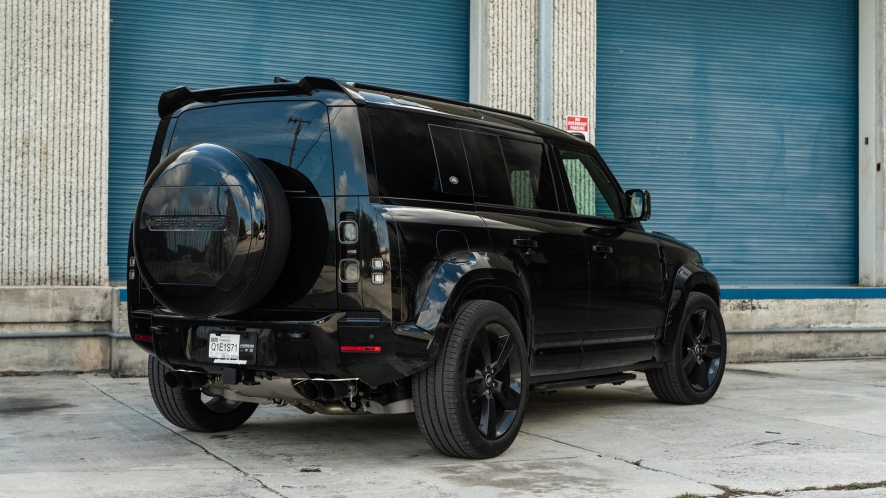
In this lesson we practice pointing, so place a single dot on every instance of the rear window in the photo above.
(292, 138)
(419, 157)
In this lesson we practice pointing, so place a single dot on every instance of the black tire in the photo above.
(695, 368)
(187, 409)
(454, 409)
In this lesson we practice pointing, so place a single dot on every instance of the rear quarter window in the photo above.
(419, 157)
(292, 138)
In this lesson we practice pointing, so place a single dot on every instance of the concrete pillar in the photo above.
(54, 62)
(535, 57)
(871, 143)
(575, 61)
(479, 59)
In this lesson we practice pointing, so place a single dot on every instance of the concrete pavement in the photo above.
(773, 427)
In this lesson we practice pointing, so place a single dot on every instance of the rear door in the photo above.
(626, 284)
(516, 196)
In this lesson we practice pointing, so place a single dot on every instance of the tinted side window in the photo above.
(292, 138)
(529, 175)
(488, 171)
(452, 164)
(405, 162)
(591, 190)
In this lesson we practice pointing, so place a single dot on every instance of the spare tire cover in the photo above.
(211, 231)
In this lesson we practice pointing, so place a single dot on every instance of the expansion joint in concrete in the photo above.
(194, 443)
(600, 454)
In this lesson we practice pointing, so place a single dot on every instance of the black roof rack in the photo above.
(366, 86)
(176, 98)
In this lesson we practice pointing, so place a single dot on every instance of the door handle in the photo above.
(525, 245)
(602, 249)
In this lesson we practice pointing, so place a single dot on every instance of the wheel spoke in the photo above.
(488, 415)
(688, 361)
(475, 387)
(505, 423)
(485, 354)
(502, 352)
(715, 350)
(701, 376)
(702, 326)
(507, 397)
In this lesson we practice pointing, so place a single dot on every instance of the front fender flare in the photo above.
(688, 277)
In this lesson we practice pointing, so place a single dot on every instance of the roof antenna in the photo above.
(280, 79)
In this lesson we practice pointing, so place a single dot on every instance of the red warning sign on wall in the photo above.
(579, 124)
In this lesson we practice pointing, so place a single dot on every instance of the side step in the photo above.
(586, 382)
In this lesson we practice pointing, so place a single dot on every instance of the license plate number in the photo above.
(225, 348)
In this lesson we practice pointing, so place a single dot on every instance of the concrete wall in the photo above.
(575, 61)
(54, 142)
(512, 53)
(505, 74)
(782, 329)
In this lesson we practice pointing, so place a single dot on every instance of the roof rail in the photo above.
(366, 86)
(176, 98)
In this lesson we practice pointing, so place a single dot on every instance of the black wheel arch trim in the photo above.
(689, 277)
(447, 286)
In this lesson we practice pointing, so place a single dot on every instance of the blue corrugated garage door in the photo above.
(741, 120)
(160, 44)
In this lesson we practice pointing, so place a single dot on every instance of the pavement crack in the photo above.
(637, 463)
(213, 455)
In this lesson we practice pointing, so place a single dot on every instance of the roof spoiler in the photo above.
(176, 98)
(439, 99)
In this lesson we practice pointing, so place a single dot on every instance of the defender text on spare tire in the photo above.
(353, 249)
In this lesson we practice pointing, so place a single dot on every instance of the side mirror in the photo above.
(639, 205)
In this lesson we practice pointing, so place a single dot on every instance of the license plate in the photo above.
(226, 348)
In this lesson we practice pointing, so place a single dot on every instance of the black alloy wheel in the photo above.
(471, 400)
(697, 362)
(493, 380)
(702, 351)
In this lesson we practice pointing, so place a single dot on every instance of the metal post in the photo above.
(545, 61)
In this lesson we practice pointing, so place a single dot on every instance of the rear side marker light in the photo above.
(347, 232)
(361, 349)
(143, 337)
(350, 271)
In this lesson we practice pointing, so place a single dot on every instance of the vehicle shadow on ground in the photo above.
(272, 428)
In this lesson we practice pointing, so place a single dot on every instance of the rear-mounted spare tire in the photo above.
(211, 231)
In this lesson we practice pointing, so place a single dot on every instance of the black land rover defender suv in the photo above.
(352, 249)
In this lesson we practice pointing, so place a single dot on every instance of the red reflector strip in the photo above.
(361, 349)
(143, 337)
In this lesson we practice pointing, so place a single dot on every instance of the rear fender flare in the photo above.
(444, 289)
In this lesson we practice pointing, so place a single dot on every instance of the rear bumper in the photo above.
(308, 346)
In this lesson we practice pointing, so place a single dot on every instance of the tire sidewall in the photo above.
(695, 302)
(490, 312)
(185, 408)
